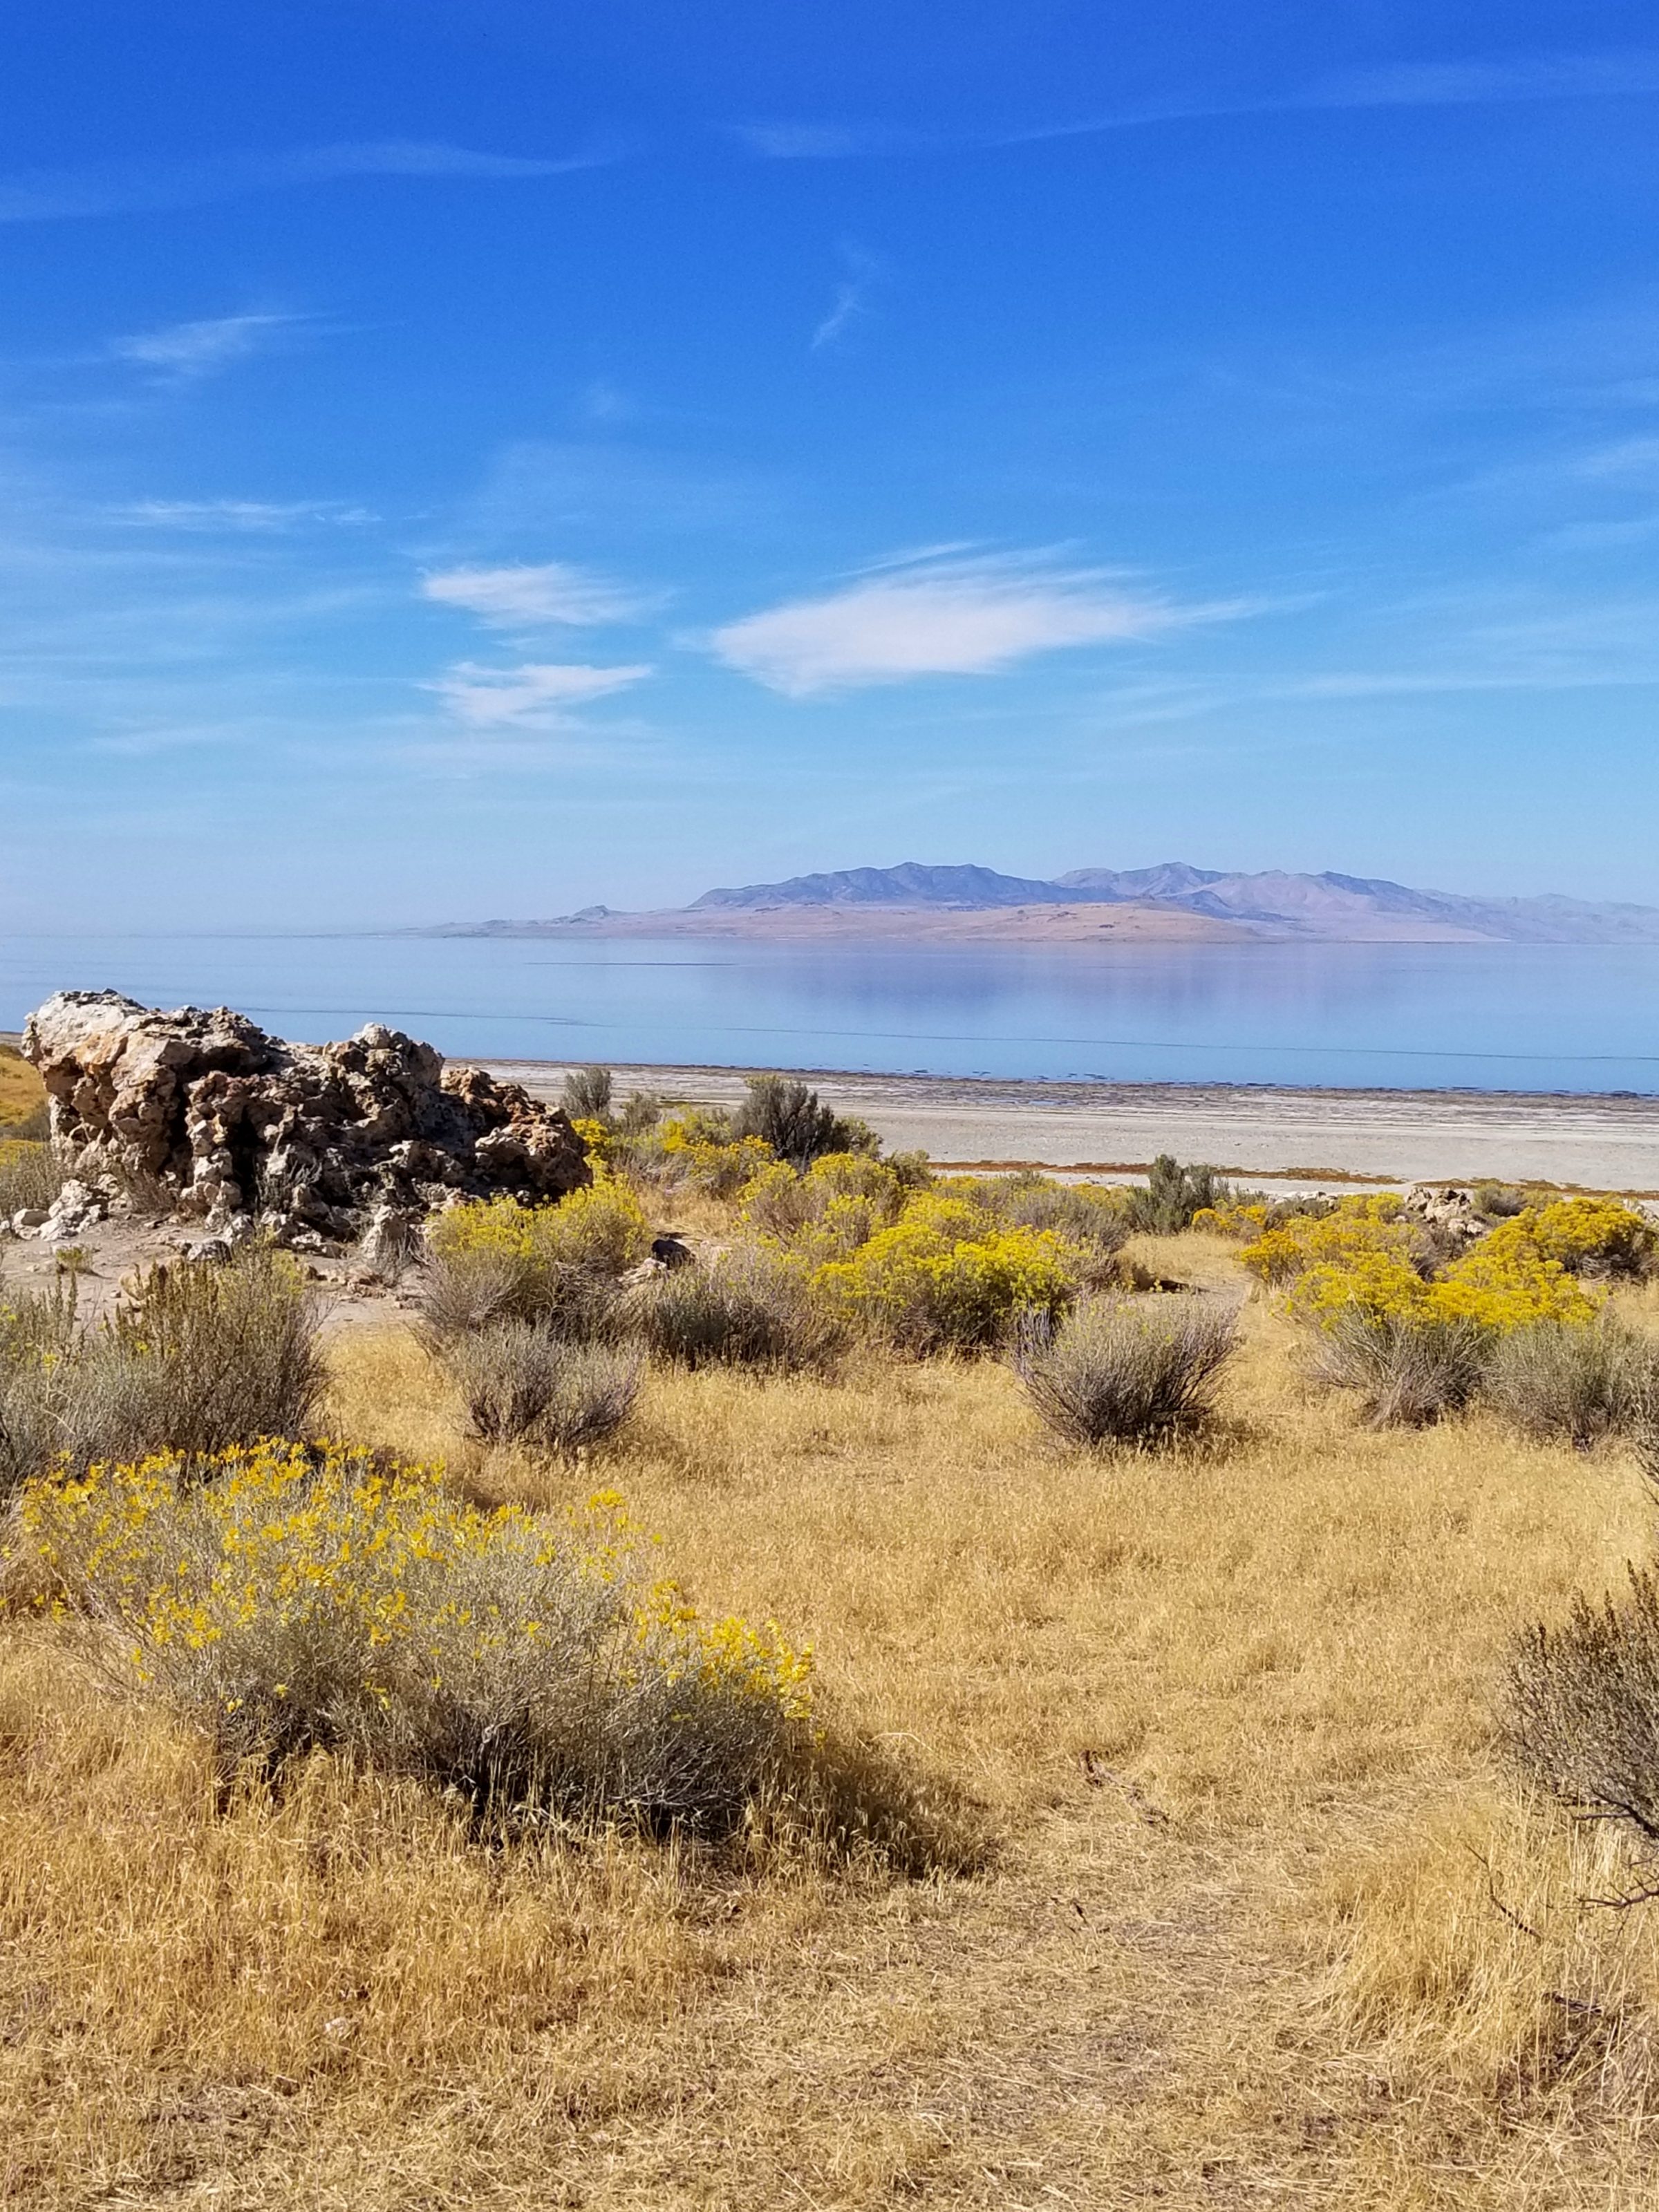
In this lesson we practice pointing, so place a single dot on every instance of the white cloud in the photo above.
(254, 514)
(513, 598)
(192, 349)
(851, 298)
(961, 617)
(1615, 76)
(533, 696)
(57, 195)
(804, 142)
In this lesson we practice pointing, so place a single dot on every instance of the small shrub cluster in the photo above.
(1173, 1196)
(1409, 1368)
(1096, 1219)
(795, 1125)
(524, 1383)
(497, 1261)
(195, 1358)
(24, 1109)
(31, 1176)
(828, 1213)
(750, 1307)
(1575, 1383)
(950, 1275)
(1581, 1711)
(1127, 1371)
(290, 1599)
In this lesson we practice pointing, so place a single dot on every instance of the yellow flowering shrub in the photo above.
(948, 1273)
(291, 1597)
(1496, 1291)
(1596, 1235)
(600, 1230)
(1355, 1227)
(597, 1140)
(694, 1152)
(828, 1213)
(1244, 1221)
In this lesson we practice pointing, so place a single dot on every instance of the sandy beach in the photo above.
(1288, 1138)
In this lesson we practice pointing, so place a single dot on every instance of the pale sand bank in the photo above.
(1299, 1136)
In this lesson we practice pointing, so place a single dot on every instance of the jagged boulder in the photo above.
(1450, 1215)
(202, 1115)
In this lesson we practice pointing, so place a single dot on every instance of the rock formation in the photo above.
(202, 1115)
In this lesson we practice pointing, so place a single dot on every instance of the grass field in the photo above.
(22, 1092)
(1244, 1909)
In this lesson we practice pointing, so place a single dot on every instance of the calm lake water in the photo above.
(1490, 1017)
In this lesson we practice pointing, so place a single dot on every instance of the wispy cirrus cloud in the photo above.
(63, 195)
(237, 514)
(537, 696)
(1491, 81)
(185, 351)
(961, 617)
(527, 595)
(853, 296)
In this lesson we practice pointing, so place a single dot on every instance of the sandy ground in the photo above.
(1294, 1138)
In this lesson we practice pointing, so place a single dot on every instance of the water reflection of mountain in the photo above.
(1491, 1016)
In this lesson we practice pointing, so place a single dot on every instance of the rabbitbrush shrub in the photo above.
(950, 1276)
(1127, 1371)
(498, 1261)
(288, 1599)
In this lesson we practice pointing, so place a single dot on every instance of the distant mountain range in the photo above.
(1171, 900)
(1273, 904)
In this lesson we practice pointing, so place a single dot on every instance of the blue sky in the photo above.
(477, 460)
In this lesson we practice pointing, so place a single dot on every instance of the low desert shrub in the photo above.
(1577, 1381)
(1409, 1368)
(31, 1176)
(1096, 1219)
(1166, 1203)
(587, 1094)
(749, 1307)
(1352, 1230)
(1595, 1237)
(1581, 1711)
(499, 1260)
(287, 1600)
(698, 1149)
(796, 1124)
(826, 1213)
(949, 1275)
(226, 1354)
(1127, 1371)
(195, 1358)
(1499, 1201)
(524, 1382)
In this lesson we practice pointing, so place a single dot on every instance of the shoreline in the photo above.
(1291, 1137)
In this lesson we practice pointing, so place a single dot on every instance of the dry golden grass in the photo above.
(1266, 1921)
(20, 1089)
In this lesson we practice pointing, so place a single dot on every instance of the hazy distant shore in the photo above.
(1291, 1136)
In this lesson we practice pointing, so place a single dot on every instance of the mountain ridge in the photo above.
(1275, 902)
(1171, 900)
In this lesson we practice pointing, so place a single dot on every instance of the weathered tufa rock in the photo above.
(1449, 1213)
(206, 1116)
